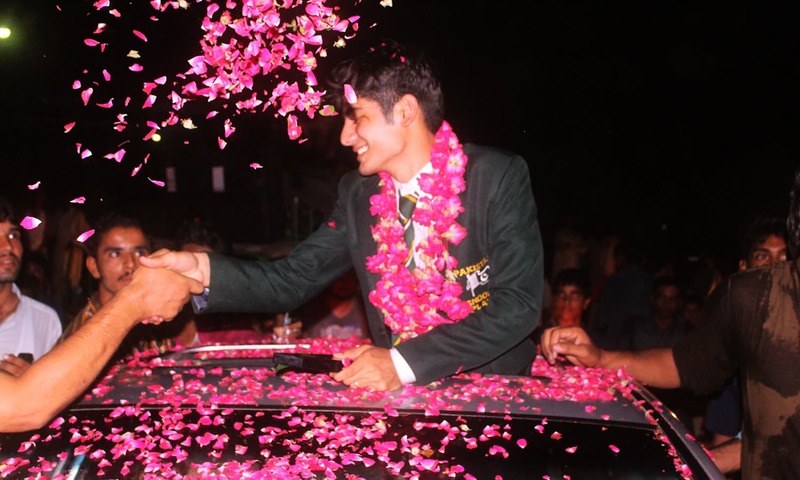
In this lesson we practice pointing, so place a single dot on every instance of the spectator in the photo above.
(339, 312)
(751, 327)
(26, 325)
(571, 300)
(112, 256)
(625, 295)
(33, 398)
(763, 243)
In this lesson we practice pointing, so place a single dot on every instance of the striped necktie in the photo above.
(406, 206)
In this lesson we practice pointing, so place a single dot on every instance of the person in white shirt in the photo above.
(26, 325)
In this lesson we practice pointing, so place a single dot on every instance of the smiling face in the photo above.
(118, 253)
(10, 252)
(376, 140)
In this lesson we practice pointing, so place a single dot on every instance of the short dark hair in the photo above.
(105, 223)
(7, 212)
(761, 228)
(575, 277)
(201, 233)
(384, 74)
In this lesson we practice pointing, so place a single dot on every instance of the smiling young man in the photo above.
(454, 285)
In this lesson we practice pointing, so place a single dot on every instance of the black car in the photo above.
(251, 411)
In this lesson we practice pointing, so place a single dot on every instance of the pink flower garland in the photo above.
(413, 302)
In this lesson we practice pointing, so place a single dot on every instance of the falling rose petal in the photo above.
(327, 111)
(136, 68)
(34, 186)
(614, 448)
(106, 75)
(522, 443)
(136, 170)
(556, 436)
(101, 27)
(116, 156)
(229, 128)
(91, 42)
(222, 143)
(156, 182)
(69, 127)
(149, 101)
(85, 235)
(332, 224)
(140, 35)
(571, 449)
(161, 80)
(108, 104)
(29, 223)
(590, 408)
(350, 94)
(256, 166)
(86, 94)
(76, 85)
(293, 128)
(78, 200)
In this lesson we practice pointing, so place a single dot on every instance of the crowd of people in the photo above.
(460, 283)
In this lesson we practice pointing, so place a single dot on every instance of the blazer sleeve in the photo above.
(247, 285)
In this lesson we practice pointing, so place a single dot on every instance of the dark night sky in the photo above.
(679, 117)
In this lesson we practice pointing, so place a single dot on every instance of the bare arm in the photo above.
(654, 367)
(57, 378)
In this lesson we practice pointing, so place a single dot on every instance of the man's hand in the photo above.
(571, 342)
(13, 365)
(156, 294)
(371, 367)
(192, 265)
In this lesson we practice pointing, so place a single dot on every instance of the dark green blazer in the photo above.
(500, 268)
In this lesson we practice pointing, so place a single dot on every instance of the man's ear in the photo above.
(91, 265)
(407, 109)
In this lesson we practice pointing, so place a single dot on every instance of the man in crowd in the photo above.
(763, 243)
(53, 381)
(444, 239)
(27, 326)
(752, 327)
(112, 256)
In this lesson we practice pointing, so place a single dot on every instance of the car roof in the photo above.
(243, 375)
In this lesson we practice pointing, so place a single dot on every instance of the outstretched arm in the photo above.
(654, 367)
(58, 377)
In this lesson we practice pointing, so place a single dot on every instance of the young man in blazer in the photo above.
(465, 297)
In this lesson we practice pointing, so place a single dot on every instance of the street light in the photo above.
(5, 32)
